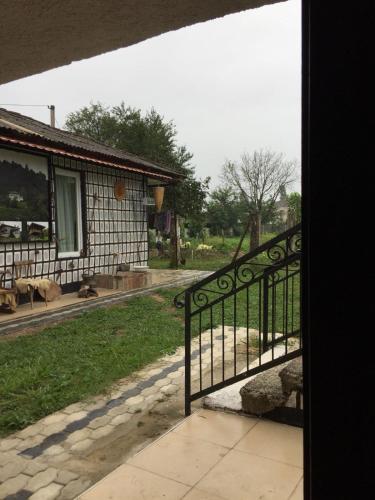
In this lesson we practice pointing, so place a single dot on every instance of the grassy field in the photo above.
(62, 364)
(59, 365)
(43, 372)
(221, 255)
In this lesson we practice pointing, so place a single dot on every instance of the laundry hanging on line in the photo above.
(163, 221)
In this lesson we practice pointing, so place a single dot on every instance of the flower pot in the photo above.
(123, 267)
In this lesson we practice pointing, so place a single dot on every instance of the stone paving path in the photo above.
(49, 459)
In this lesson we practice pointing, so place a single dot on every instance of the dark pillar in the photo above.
(338, 208)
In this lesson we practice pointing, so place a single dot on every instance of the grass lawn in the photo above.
(62, 364)
(208, 263)
(211, 261)
(43, 372)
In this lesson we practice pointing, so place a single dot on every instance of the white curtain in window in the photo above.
(67, 223)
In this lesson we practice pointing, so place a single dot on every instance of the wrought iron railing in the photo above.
(244, 318)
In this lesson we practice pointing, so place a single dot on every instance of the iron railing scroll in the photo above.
(244, 318)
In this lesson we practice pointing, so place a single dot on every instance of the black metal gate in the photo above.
(244, 318)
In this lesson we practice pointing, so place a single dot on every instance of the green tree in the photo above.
(151, 137)
(95, 122)
(294, 207)
(224, 211)
(258, 179)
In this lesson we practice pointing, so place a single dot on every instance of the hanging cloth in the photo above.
(163, 222)
(159, 222)
(168, 221)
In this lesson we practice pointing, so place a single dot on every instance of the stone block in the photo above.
(150, 390)
(120, 419)
(65, 477)
(54, 450)
(82, 445)
(12, 469)
(135, 400)
(5, 457)
(42, 479)
(105, 281)
(54, 418)
(77, 436)
(117, 410)
(263, 393)
(53, 428)
(8, 444)
(102, 431)
(30, 431)
(73, 408)
(129, 280)
(99, 422)
(34, 467)
(292, 376)
(31, 442)
(59, 459)
(170, 389)
(49, 492)
(13, 485)
(73, 417)
(74, 488)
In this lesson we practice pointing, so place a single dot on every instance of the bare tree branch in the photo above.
(259, 178)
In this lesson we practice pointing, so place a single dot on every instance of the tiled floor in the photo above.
(212, 455)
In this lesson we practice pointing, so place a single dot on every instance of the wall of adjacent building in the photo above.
(114, 231)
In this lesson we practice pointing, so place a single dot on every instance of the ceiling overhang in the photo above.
(45, 34)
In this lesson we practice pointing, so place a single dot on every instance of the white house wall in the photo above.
(119, 228)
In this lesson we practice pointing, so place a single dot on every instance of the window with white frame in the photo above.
(68, 212)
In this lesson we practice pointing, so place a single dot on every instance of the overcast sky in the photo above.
(230, 85)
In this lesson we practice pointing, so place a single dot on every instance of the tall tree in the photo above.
(294, 201)
(258, 179)
(224, 211)
(150, 136)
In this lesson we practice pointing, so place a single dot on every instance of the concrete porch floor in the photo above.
(71, 301)
(211, 455)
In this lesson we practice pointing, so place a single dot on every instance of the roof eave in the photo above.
(25, 141)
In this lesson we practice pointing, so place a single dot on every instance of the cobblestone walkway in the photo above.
(49, 459)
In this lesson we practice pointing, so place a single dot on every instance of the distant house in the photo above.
(7, 231)
(282, 208)
(14, 196)
(35, 230)
(89, 195)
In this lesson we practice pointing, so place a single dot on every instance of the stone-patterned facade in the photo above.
(113, 231)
